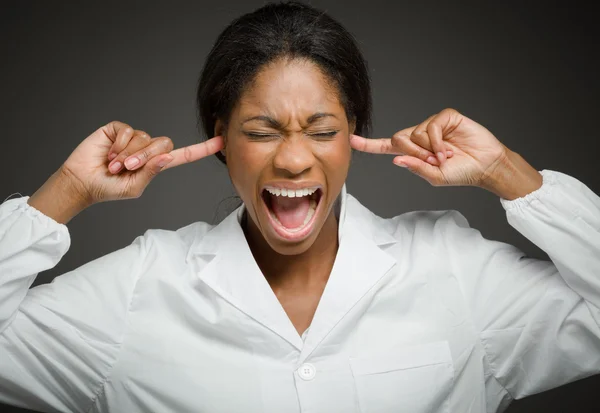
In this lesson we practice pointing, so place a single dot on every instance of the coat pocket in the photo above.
(408, 379)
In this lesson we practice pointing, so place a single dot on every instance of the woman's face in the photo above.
(288, 134)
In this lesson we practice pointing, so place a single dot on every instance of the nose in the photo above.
(294, 155)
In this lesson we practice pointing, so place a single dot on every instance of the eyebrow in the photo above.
(276, 125)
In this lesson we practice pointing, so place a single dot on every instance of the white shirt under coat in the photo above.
(420, 314)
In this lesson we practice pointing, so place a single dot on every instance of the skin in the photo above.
(290, 92)
(447, 149)
(477, 158)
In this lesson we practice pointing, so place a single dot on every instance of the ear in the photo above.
(351, 127)
(220, 129)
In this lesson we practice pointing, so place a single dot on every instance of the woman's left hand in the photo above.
(473, 151)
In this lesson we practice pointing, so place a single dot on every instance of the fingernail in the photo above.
(131, 162)
(449, 153)
(114, 168)
(431, 159)
(112, 156)
(400, 164)
(440, 157)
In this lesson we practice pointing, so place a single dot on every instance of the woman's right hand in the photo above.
(86, 177)
(100, 170)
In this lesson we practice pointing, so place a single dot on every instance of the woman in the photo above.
(301, 299)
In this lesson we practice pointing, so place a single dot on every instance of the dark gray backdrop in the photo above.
(529, 75)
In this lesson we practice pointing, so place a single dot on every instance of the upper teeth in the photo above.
(292, 193)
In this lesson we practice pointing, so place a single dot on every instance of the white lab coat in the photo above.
(420, 314)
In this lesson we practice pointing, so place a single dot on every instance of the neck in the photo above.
(300, 271)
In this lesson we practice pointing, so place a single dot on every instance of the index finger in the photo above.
(382, 145)
(195, 152)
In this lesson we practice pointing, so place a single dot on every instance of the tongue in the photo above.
(291, 212)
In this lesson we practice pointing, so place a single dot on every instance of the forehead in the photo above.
(290, 88)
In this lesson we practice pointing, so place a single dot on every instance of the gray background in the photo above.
(529, 75)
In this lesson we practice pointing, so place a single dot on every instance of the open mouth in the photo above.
(292, 216)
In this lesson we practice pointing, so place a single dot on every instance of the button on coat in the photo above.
(307, 371)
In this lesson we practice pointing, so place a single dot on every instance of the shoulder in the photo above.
(430, 220)
(174, 241)
(430, 223)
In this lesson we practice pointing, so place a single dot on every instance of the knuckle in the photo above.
(434, 124)
(416, 136)
(144, 155)
(123, 139)
(126, 128)
(142, 135)
(168, 143)
(419, 133)
(164, 143)
(449, 111)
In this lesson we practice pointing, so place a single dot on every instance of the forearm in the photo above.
(59, 198)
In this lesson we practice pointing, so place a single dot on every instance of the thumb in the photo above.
(430, 173)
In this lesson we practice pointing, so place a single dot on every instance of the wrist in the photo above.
(60, 198)
(513, 177)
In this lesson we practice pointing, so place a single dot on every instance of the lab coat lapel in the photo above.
(234, 274)
(231, 271)
(361, 261)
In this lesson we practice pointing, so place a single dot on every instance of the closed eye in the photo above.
(261, 135)
(324, 134)
(258, 136)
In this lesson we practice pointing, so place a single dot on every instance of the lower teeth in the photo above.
(311, 211)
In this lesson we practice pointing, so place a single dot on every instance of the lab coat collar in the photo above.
(230, 270)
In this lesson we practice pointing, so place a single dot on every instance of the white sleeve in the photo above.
(58, 341)
(538, 320)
